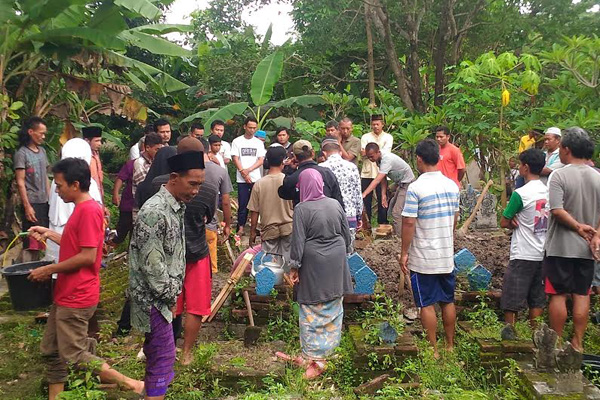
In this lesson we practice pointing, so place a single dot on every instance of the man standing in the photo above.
(248, 154)
(125, 202)
(574, 197)
(215, 151)
(348, 179)
(369, 169)
(31, 175)
(163, 128)
(77, 287)
(332, 128)
(393, 167)
(528, 141)
(136, 149)
(217, 127)
(350, 143)
(275, 213)
(196, 292)
(197, 130)
(157, 267)
(93, 135)
(527, 214)
(304, 154)
(282, 138)
(219, 178)
(552, 145)
(152, 143)
(452, 163)
(430, 216)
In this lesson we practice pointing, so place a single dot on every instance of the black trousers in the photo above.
(124, 226)
(124, 323)
(368, 201)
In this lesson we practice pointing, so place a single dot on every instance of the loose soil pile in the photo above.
(490, 248)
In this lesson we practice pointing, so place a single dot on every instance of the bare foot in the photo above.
(138, 387)
(186, 359)
(436, 355)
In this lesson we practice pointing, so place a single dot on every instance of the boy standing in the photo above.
(527, 214)
(77, 288)
(215, 151)
(429, 219)
(275, 213)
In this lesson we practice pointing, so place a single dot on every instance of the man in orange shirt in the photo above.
(93, 135)
(452, 163)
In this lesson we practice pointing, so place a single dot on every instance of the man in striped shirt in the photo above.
(428, 222)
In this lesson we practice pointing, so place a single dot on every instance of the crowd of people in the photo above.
(307, 212)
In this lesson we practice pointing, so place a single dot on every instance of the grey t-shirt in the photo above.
(396, 168)
(36, 173)
(219, 178)
(576, 189)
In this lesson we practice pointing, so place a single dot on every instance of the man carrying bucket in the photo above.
(77, 288)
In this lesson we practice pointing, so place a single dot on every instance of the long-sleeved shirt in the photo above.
(320, 241)
(348, 179)
(156, 258)
(331, 188)
(96, 171)
(198, 212)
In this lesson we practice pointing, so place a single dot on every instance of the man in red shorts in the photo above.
(574, 197)
(77, 288)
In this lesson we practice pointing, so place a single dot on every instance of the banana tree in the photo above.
(265, 77)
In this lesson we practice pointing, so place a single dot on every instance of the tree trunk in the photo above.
(415, 75)
(392, 55)
(370, 61)
(439, 53)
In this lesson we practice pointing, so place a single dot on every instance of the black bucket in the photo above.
(26, 295)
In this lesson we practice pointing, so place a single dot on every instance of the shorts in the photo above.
(41, 213)
(196, 292)
(523, 286)
(596, 280)
(66, 341)
(568, 275)
(429, 289)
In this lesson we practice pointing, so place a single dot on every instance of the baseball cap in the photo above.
(299, 146)
(553, 130)
(261, 134)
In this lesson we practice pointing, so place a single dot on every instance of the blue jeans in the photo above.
(244, 191)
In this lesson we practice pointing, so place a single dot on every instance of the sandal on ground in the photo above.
(298, 360)
(315, 369)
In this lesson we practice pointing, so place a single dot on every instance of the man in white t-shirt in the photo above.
(247, 153)
(429, 218)
(552, 145)
(526, 213)
(217, 127)
(370, 170)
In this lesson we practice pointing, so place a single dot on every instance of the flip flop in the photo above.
(315, 369)
(298, 361)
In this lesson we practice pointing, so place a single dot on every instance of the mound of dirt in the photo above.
(490, 248)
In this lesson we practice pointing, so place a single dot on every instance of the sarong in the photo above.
(159, 348)
(321, 328)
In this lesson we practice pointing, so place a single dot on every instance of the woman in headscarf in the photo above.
(320, 241)
(59, 210)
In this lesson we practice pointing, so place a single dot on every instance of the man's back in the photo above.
(275, 213)
(433, 200)
(348, 179)
(289, 191)
(576, 189)
(528, 205)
